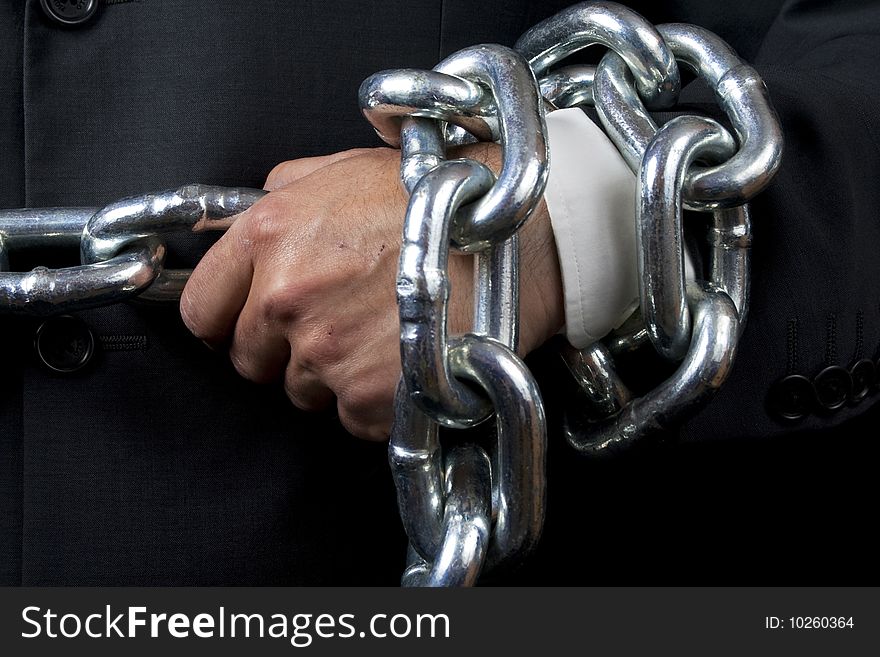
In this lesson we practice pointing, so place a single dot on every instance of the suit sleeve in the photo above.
(816, 274)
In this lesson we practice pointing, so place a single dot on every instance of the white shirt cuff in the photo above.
(591, 198)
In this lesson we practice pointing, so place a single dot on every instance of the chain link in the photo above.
(120, 245)
(659, 229)
(616, 27)
(458, 382)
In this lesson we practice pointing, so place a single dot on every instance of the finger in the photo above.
(259, 350)
(217, 290)
(292, 170)
(305, 389)
(366, 404)
(364, 424)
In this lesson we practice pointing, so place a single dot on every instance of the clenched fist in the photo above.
(302, 287)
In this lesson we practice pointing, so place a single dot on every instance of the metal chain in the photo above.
(490, 92)
(120, 245)
(689, 163)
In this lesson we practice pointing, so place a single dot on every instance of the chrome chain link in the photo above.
(121, 249)
(490, 92)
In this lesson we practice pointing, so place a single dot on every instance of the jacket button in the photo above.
(64, 344)
(69, 12)
(792, 397)
(833, 386)
(862, 374)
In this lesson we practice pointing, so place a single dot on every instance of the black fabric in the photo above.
(161, 466)
(816, 229)
(11, 195)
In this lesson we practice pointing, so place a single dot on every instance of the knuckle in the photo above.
(242, 365)
(358, 426)
(302, 402)
(309, 397)
(250, 368)
(361, 400)
(365, 406)
(356, 400)
(281, 302)
(318, 350)
(263, 223)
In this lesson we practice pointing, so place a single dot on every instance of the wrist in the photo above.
(541, 300)
(542, 305)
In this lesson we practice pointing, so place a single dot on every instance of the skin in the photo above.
(301, 289)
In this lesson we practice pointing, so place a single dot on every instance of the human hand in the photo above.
(302, 286)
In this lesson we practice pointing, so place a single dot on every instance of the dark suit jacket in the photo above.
(158, 465)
